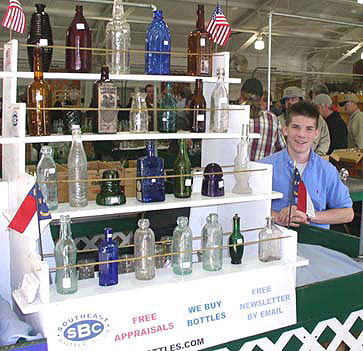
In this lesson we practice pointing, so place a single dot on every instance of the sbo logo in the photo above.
(83, 330)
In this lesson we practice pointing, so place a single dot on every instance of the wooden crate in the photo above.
(351, 159)
(130, 184)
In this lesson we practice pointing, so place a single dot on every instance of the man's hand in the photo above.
(296, 217)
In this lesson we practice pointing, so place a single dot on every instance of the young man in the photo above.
(331, 203)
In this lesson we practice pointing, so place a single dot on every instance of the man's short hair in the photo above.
(303, 108)
(252, 86)
(148, 86)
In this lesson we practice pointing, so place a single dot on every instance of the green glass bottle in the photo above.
(182, 165)
(167, 118)
(237, 241)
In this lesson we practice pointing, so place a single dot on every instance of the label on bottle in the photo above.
(80, 26)
(66, 282)
(202, 41)
(186, 264)
(223, 100)
(200, 118)
(188, 182)
(43, 42)
(239, 241)
(221, 184)
(38, 96)
(153, 180)
(166, 42)
(51, 170)
(164, 119)
(107, 98)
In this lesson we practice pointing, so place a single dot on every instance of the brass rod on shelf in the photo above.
(125, 109)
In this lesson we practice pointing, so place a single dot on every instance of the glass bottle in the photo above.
(104, 95)
(77, 171)
(108, 251)
(212, 242)
(197, 117)
(47, 177)
(150, 189)
(79, 36)
(269, 250)
(182, 165)
(40, 31)
(38, 96)
(65, 254)
(200, 44)
(70, 117)
(183, 245)
(139, 118)
(144, 240)
(167, 119)
(118, 41)
(236, 239)
(157, 39)
(241, 164)
(111, 193)
(219, 118)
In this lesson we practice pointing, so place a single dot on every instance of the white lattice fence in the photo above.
(310, 341)
(91, 241)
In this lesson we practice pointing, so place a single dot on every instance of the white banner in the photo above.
(192, 312)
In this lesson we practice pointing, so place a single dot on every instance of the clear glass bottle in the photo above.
(236, 240)
(167, 119)
(200, 44)
(269, 250)
(65, 254)
(241, 164)
(144, 241)
(182, 165)
(183, 245)
(212, 242)
(139, 118)
(108, 251)
(79, 36)
(219, 118)
(38, 96)
(77, 171)
(150, 189)
(157, 39)
(47, 177)
(198, 104)
(118, 41)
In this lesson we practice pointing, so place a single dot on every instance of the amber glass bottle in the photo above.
(79, 36)
(38, 95)
(198, 115)
(200, 44)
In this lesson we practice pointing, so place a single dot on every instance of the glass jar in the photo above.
(269, 249)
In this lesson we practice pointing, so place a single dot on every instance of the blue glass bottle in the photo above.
(150, 189)
(157, 39)
(108, 251)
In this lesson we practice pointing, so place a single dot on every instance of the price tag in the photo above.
(164, 119)
(221, 184)
(239, 241)
(200, 118)
(66, 283)
(188, 182)
(153, 180)
(166, 42)
(51, 170)
(80, 26)
(38, 96)
(223, 100)
(202, 41)
(43, 42)
(186, 264)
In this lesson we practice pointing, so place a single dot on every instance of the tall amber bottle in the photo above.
(197, 103)
(200, 44)
(38, 95)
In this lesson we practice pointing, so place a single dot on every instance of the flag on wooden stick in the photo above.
(219, 27)
(14, 18)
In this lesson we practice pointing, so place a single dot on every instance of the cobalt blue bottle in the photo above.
(150, 189)
(108, 251)
(157, 39)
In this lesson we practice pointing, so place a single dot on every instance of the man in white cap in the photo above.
(291, 96)
(355, 124)
(337, 128)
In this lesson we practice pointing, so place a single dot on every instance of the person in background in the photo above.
(337, 128)
(149, 90)
(292, 95)
(183, 101)
(327, 200)
(263, 122)
(355, 124)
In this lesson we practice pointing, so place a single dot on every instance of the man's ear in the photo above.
(284, 130)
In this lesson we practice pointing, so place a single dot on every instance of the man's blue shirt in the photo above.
(321, 180)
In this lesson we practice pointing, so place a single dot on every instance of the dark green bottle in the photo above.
(237, 241)
(182, 165)
(111, 193)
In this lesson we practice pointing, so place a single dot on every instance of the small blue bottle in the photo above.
(150, 189)
(108, 251)
(157, 39)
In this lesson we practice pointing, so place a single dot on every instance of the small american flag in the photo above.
(14, 18)
(219, 27)
(301, 195)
